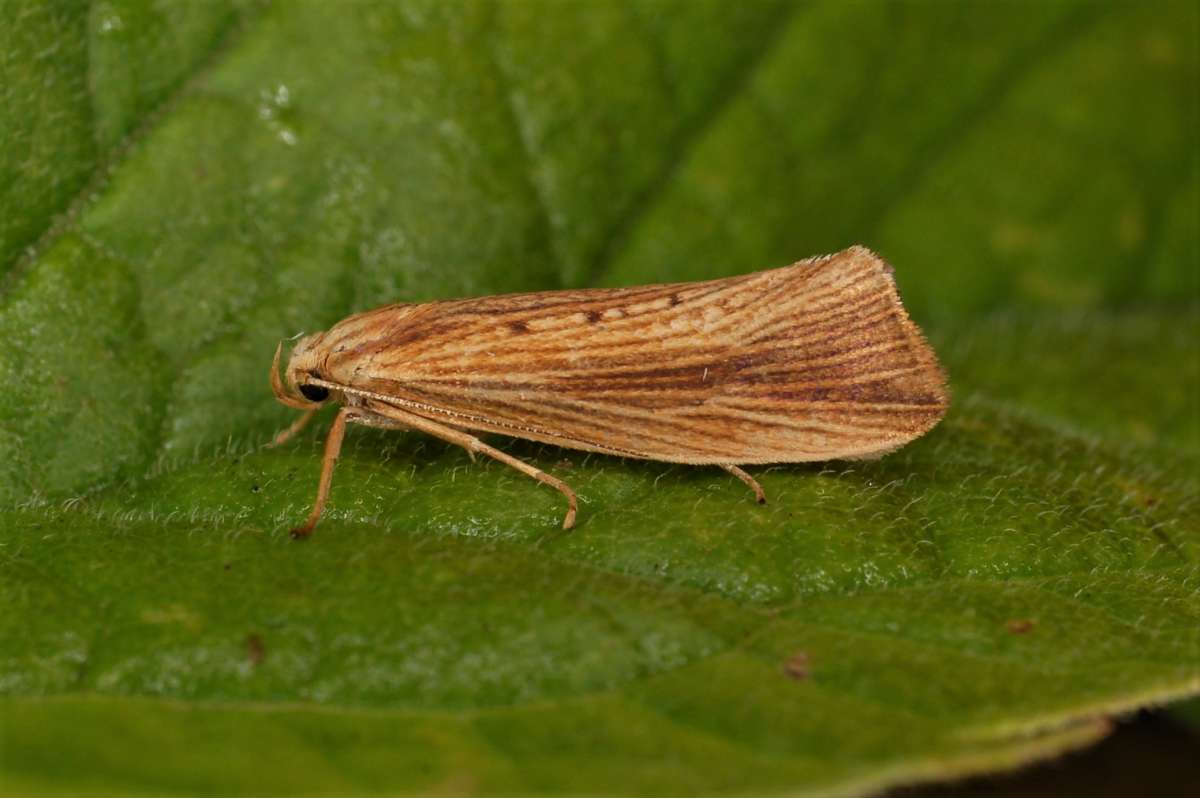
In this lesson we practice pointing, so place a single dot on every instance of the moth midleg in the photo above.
(286, 435)
(759, 495)
(333, 447)
(472, 445)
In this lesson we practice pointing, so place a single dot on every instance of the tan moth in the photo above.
(813, 361)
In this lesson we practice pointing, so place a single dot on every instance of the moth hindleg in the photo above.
(759, 495)
(472, 444)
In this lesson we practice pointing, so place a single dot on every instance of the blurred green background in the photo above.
(183, 184)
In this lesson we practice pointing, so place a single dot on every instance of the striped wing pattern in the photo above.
(813, 361)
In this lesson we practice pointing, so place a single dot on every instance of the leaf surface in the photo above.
(192, 183)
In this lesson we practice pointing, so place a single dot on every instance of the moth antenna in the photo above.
(281, 391)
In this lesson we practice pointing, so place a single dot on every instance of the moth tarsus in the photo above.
(813, 361)
(290, 432)
(759, 495)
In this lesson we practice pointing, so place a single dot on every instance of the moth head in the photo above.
(300, 391)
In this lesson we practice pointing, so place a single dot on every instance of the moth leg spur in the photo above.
(751, 482)
(472, 445)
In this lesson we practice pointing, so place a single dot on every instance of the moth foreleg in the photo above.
(286, 435)
(473, 445)
(759, 495)
(333, 447)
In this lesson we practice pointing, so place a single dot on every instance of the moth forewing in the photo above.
(813, 361)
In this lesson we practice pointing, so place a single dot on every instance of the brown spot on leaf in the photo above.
(797, 666)
(518, 326)
(1020, 626)
(255, 650)
(593, 316)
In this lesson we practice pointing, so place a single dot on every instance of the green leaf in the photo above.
(183, 185)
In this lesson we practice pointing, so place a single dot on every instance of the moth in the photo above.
(813, 361)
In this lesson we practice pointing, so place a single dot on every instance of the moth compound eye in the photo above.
(314, 393)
